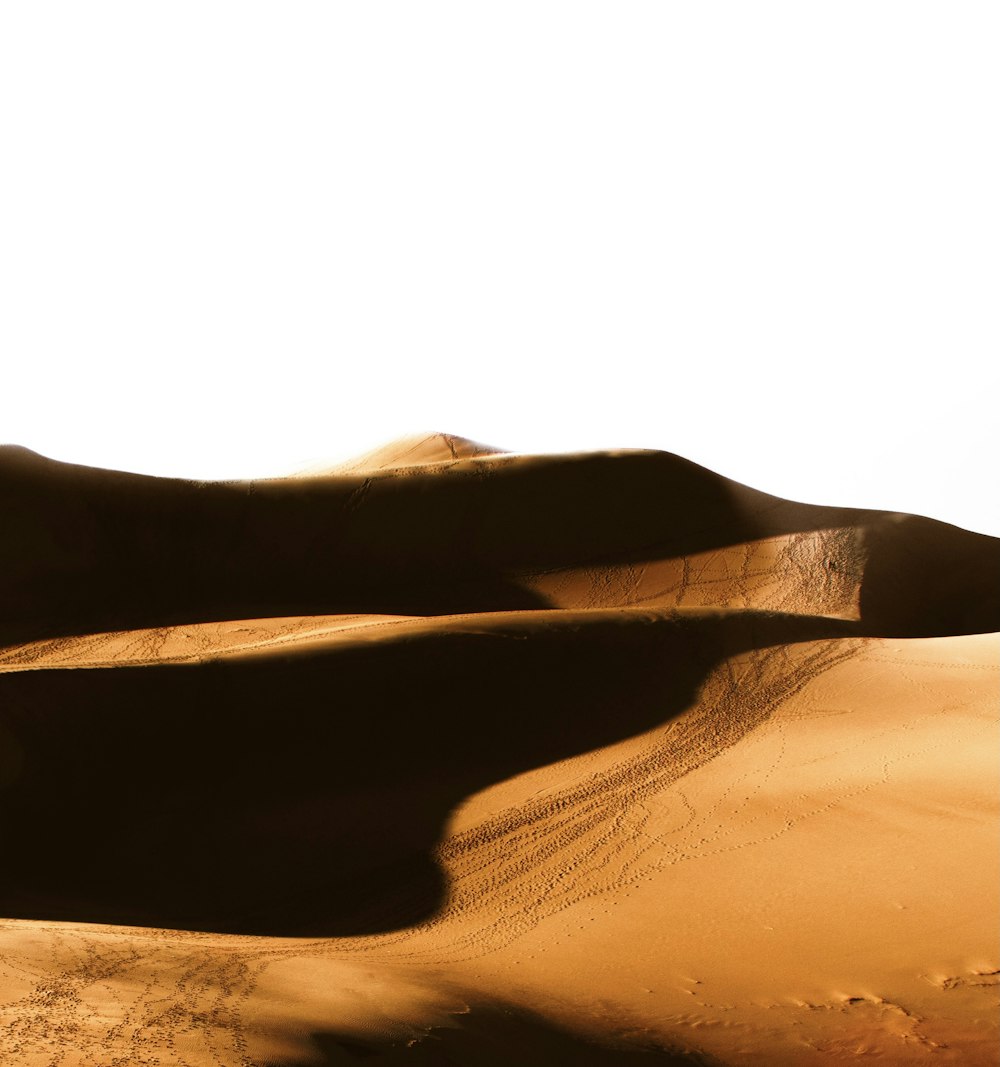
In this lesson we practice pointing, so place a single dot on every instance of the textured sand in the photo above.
(447, 756)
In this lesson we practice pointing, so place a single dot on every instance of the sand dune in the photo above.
(452, 756)
(414, 451)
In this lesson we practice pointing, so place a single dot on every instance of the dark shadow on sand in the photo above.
(304, 794)
(495, 1036)
(87, 550)
(90, 550)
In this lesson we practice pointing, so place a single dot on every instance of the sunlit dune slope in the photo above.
(449, 756)
(414, 451)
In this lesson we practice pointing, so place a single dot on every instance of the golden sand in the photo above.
(452, 757)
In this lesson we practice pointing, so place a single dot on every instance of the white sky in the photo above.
(236, 239)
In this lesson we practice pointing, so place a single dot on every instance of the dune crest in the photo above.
(451, 756)
(416, 450)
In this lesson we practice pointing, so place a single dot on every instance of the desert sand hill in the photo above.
(448, 756)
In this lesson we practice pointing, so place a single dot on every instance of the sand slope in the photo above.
(455, 757)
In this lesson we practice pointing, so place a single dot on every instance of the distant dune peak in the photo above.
(410, 451)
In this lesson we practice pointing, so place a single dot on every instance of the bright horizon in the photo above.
(241, 240)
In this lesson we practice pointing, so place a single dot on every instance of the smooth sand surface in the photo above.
(448, 756)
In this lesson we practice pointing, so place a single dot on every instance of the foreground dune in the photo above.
(447, 756)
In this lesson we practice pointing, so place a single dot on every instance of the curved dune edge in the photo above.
(797, 865)
(311, 635)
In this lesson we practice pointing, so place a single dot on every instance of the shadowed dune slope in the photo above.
(302, 790)
(95, 550)
(452, 756)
